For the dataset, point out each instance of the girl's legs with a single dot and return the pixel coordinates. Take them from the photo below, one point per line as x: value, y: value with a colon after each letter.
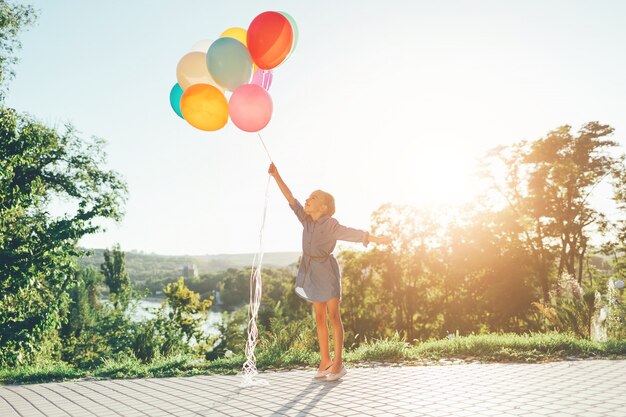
x: 322, y: 334
x: 335, y: 321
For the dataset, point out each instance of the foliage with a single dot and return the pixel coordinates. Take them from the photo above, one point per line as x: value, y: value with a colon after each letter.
x: 546, y: 188
x: 571, y: 308
x: 14, y: 18
x: 409, y: 269
x: 616, y: 312
x: 115, y: 277
x: 38, y: 166
x: 232, y: 334
x: 186, y: 310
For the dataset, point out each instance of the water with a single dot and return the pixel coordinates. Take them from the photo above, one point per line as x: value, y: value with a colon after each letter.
x: 146, y: 310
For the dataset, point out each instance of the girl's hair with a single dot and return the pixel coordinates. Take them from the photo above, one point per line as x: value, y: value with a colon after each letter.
x: 329, y: 200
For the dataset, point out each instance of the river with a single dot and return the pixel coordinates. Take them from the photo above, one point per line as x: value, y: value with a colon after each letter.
x: 147, y: 306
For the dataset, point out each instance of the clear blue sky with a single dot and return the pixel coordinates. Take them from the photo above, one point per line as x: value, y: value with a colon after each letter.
x: 381, y: 102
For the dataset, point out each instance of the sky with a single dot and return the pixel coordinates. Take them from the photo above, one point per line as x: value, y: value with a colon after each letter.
x: 381, y: 102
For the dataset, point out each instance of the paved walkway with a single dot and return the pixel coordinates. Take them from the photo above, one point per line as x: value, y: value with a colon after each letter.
x: 587, y: 388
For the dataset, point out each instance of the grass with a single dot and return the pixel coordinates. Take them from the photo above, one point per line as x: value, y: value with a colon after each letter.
x: 518, y: 348
x: 483, y: 348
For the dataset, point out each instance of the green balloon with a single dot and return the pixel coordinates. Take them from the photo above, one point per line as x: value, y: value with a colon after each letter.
x: 229, y: 63
x: 294, y: 27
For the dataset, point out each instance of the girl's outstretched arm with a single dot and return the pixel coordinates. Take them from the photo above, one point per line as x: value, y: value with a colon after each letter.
x: 281, y: 184
x: 349, y: 234
x: 381, y: 240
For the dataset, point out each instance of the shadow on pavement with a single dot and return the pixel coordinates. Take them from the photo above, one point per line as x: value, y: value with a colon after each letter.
x: 322, y: 388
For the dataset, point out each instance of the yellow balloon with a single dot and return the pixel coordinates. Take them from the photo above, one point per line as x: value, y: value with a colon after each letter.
x: 192, y: 69
x: 236, y: 33
x: 204, y: 107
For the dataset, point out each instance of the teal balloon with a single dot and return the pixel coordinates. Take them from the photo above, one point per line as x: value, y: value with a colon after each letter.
x: 229, y: 63
x: 175, y: 94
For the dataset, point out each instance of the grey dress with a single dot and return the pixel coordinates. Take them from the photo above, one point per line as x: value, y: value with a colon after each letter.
x: 318, y: 275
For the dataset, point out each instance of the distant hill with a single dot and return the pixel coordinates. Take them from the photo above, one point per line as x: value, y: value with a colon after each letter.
x: 143, y: 266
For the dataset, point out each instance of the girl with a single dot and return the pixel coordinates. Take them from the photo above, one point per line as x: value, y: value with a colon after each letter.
x: 318, y: 279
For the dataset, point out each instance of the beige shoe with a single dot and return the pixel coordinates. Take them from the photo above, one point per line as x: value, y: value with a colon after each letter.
x: 322, y: 374
x: 335, y: 377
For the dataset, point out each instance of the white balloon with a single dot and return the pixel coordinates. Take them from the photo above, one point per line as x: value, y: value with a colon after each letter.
x: 192, y: 69
x: 202, y: 46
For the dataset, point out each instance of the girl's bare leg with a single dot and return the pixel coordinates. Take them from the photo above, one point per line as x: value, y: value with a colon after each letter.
x: 322, y: 334
x: 335, y: 321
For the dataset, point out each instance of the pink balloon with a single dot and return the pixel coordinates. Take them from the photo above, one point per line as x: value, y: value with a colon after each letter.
x: 263, y: 78
x: 250, y: 107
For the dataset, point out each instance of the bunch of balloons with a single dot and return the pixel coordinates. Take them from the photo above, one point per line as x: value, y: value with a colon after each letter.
x: 241, y: 62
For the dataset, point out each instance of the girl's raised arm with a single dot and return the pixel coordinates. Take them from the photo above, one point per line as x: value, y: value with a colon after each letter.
x: 281, y: 184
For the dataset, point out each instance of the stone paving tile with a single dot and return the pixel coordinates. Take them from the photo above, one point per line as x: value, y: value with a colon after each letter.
x: 563, y: 389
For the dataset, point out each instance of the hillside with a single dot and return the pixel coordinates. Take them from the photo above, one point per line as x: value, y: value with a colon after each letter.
x: 143, y: 266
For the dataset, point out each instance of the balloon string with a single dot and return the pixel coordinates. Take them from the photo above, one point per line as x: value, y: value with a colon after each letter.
x: 265, y: 147
x: 256, y: 290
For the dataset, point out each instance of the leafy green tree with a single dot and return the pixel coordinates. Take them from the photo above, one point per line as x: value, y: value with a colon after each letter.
x: 84, y: 303
x: 361, y: 299
x: 14, y: 18
x: 234, y: 288
x: 38, y: 167
x: 187, y: 311
x: 115, y: 276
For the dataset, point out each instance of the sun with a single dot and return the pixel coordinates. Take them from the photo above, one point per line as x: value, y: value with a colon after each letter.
x: 436, y: 177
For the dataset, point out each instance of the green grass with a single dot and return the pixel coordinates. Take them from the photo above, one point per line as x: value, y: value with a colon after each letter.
x: 483, y: 348
x: 517, y: 348
x: 45, y: 372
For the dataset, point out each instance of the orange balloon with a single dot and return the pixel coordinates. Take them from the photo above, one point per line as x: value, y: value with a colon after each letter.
x: 204, y: 107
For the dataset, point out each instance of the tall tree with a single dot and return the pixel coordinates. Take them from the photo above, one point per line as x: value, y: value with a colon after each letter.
x: 616, y: 247
x: 546, y: 185
x: 115, y: 276
x: 14, y: 18
x: 38, y: 167
x: 409, y: 269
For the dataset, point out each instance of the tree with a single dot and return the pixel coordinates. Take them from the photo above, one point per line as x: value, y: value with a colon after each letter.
x: 616, y: 247
x: 13, y: 19
x: 546, y: 186
x: 38, y: 167
x: 486, y: 281
x: 360, y: 301
x: 84, y: 302
x: 184, y: 306
x: 409, y: 269
x: 115, y: 276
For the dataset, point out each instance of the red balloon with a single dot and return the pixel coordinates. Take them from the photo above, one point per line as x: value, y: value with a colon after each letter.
x: 270, y: 38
